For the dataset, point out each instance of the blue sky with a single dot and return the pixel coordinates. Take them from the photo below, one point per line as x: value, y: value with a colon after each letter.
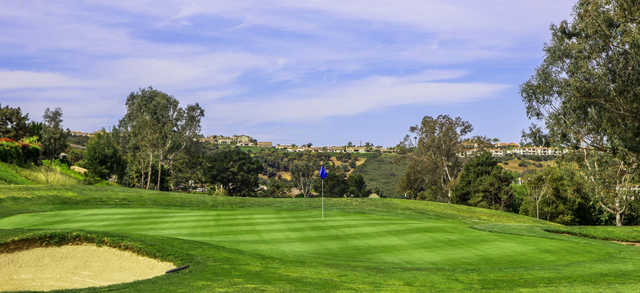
x: 287, y: 71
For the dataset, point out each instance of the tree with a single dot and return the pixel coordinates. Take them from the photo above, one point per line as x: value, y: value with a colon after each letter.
x: 302, y: 172
x: 559, y: 194
x: 586, y: 88
x: 539, y: 188
x: 435, y: 158
x: 156, y: 129
x: 102, y: 156
x: 484, y: 183
x: 611, y: 182
x: 350, y: 144
x: 535, y: 137
x: 54, y: 138
x: 277, y: 188
x: 357, y: 186
x: 236, y: 171
x: 13, y: 124
x: 187, y: 167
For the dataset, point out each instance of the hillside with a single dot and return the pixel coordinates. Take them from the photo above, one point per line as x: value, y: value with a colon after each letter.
x: 522, y: 166
x: 384, y: 172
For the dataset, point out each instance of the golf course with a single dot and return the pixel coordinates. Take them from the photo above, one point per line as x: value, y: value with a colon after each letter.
x: 275, y: 245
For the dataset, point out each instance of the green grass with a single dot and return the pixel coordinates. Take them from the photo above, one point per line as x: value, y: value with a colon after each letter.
x: 626, y: 233
x: 385, y: 172
x: 56, y: 174
x: 9, y: 174
x: 282, y: 245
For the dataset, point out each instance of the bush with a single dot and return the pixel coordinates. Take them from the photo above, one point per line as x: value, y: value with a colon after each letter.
x: 9, y: 152
x: 13, y: 152
x: 30, y: 153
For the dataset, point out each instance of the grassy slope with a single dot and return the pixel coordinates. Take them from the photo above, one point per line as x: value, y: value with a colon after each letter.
x: 10, y: 174
x: 240, y: 244
x: 384, y: 172
x: 58, y: 174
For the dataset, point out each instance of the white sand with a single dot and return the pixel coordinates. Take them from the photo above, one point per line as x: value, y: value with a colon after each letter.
x: 74, y: 266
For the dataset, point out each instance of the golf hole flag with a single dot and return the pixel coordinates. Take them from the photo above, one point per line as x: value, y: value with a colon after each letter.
x: 323, y: 172
x: 323, y: 175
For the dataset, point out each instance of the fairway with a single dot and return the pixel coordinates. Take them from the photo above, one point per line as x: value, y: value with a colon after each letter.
x: 362, y: 245
x: 340, y: 237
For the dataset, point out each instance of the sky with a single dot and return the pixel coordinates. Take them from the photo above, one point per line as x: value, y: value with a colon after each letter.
x: 286, y: 71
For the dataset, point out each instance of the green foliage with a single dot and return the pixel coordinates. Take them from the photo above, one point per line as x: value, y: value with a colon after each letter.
x: 586, y: 92
x: 303, y: 171
x: 559, y: 194
x: 75, y: 156
x: 235, y: 170
x: 357, y: 186
x: 154, y: 131
x: 18, y: 153
x: 276, y: 188
x: 13, y: 124
x: 102, y: 157
x: 535, y: 137
x: 483, y: 183
x: 435, y: 159
x: 384, y: 173
x: 54, y: 138
x: 586, y: 88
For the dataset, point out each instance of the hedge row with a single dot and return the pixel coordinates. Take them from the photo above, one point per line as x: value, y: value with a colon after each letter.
x: 13, y: 152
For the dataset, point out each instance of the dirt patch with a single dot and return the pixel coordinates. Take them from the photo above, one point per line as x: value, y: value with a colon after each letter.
x: 74, y: 266
x: 627, y: 243
x: 614, y: 241
x: 284, y: 175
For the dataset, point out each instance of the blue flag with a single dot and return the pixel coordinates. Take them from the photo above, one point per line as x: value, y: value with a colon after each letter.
x: 323, y: 172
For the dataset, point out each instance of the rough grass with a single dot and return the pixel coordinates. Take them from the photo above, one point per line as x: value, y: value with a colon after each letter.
x: 626, y: 233
x: 282, y: 245
x: 50, y: 174
x: 10, y: 174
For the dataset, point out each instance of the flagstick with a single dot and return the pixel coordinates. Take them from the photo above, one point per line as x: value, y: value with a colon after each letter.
x: 322, y: 184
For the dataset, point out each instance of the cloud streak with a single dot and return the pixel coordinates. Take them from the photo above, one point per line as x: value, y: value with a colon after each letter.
x: 370, y: 94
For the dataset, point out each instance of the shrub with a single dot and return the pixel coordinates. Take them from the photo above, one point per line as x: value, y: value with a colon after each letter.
x: 10, y: 152
x: 13, y: 152
x: 30, y: 153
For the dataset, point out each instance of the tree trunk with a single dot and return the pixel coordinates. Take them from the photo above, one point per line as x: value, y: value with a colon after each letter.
x: 141, y: 183
x: 619, y: 212
x: 159, y: 170
x: 537, y: 209
x: 618, y: 219
x: 149, y: 171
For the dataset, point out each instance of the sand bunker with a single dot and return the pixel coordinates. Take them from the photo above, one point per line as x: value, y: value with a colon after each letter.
x: 74, y: 266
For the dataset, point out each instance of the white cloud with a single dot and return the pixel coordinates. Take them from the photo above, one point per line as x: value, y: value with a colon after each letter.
x: 19, y: 79
x: 357, y: 97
